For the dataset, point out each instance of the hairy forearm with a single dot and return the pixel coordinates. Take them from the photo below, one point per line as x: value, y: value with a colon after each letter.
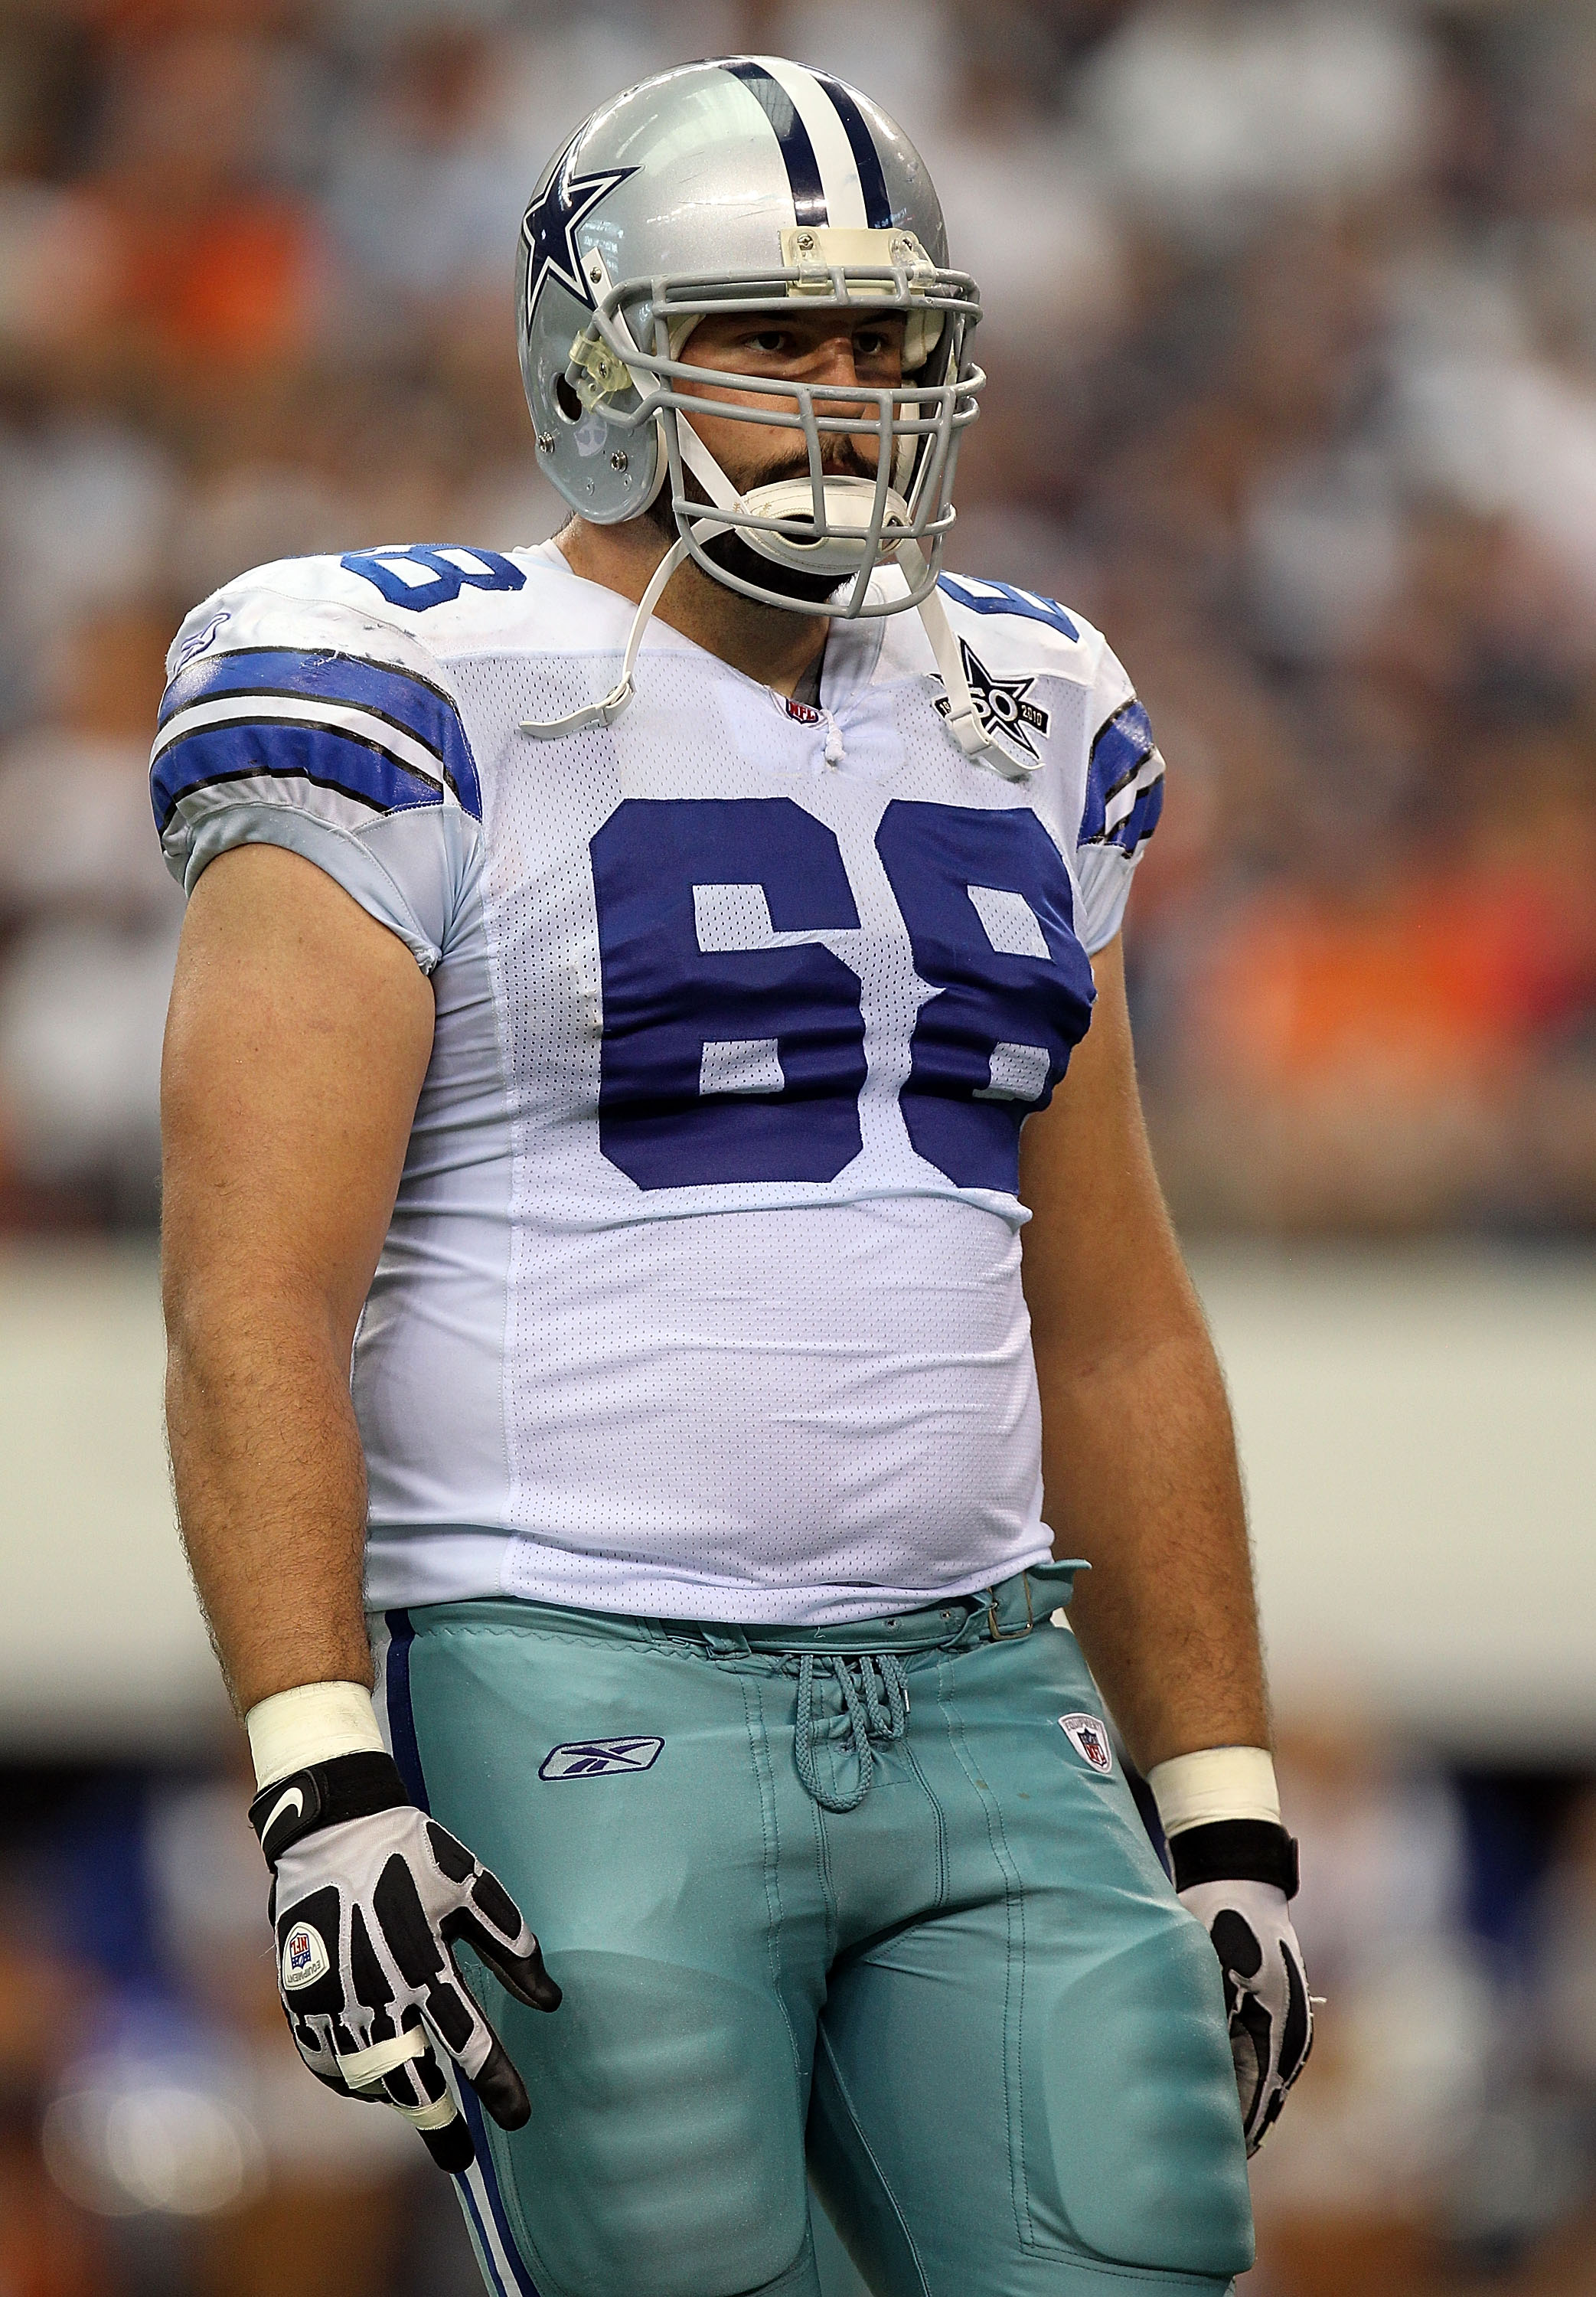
x: 1141, y: 1475
x: 299, y: 1034
x: 1139, y: 1456
x: 271, y: 1487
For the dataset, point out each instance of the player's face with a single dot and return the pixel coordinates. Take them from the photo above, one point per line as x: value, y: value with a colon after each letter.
x: 839, y: 348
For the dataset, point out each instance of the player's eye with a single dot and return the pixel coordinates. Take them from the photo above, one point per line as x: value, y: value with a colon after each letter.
x: 769, y: 341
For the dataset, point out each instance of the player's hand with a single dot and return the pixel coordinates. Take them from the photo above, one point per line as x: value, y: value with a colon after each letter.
x: 368, y: 1896
x: 1237, y: 1876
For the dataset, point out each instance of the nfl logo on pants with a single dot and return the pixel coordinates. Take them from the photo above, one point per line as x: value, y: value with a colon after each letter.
x: 1087, y: 1734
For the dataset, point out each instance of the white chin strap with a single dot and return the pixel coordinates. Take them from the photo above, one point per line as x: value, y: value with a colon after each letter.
x: 605, y: 712
x: 963, y: 719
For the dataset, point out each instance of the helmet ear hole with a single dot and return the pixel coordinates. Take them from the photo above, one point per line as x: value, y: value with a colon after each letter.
x: 567, y: 401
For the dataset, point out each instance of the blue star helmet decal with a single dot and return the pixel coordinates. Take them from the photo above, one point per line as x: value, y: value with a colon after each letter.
x: 1001, y: 704
x: 548, y: 228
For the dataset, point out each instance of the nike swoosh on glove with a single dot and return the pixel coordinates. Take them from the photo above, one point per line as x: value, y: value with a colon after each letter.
x: 1237, y: 1875
x: 368, y: 1896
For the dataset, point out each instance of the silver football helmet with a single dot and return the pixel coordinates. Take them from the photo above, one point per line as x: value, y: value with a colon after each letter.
x: 749, y: 183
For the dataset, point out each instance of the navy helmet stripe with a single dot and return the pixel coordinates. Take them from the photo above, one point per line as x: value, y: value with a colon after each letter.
x: 867, y: 158
x: 798, y: 153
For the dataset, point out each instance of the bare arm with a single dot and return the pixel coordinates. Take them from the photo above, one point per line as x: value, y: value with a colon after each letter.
x: 299, y: 1034
x: 1139, y: 1457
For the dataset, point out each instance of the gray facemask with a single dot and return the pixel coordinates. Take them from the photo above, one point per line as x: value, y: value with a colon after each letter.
x: 743, y: 185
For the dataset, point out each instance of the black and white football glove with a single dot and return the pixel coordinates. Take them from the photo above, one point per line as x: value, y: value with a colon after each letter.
x: 368, y: 1896
x: 1236, y: 1876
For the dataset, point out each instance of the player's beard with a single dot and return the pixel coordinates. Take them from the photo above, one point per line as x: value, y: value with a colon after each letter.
x: 739, y: 557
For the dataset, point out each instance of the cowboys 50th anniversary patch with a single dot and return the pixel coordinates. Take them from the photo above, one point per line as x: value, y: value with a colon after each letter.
x: 598, y: 1759
x: 1001, y: 704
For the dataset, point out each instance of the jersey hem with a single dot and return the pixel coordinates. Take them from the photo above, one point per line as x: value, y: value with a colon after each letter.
x: 797, y: 1196
x: 410, y: 1566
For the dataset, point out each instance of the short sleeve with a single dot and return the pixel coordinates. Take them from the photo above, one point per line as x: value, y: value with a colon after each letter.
x: 302, y: 723
x: 1124, y: 796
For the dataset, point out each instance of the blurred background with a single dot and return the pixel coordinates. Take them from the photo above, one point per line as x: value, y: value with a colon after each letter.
x: 1291, y: 324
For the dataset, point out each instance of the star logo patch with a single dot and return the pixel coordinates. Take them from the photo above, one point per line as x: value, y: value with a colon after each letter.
x: 548, y: 228
x: 1001, y: 704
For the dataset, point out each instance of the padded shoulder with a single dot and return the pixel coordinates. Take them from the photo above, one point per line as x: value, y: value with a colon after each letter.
x: 310, y: 604
x: 1021, y: 630
x: 1101, y: 748
x: 451, y: 598
x: 255, y: 657
x: 296, y: 716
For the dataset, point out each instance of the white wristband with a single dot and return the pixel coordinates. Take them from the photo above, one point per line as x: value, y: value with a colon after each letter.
x: 311, y: 1725
x: 1215, y: 1782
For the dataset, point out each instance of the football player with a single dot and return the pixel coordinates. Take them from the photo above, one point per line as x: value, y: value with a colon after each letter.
x: 633, y: 1006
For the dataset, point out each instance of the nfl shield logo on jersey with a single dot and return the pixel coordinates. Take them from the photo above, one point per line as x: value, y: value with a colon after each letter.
x: 304, y: 1956
x: 1087, y: 1734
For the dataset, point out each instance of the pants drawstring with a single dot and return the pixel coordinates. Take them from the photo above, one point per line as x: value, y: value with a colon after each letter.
x: 875, y: 1695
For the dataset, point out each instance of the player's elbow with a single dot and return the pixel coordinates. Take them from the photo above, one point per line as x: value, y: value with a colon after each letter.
x: 231, y: 1316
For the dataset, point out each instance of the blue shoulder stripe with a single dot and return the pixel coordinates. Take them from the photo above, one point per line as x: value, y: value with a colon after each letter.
x: 286, y: 750
x: 1001, y: 598
x: 1141, y: 820
x: 1120, y: 748
x: 406, y: 700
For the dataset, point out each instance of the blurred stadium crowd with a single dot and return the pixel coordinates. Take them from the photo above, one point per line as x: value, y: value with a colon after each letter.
x: 1291, y: 322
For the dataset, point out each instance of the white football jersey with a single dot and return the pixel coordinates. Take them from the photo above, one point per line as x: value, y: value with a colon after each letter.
x: 702, y: 1293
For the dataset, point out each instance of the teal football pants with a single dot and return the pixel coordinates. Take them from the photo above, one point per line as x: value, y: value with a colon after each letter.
x: 843, y: 1905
